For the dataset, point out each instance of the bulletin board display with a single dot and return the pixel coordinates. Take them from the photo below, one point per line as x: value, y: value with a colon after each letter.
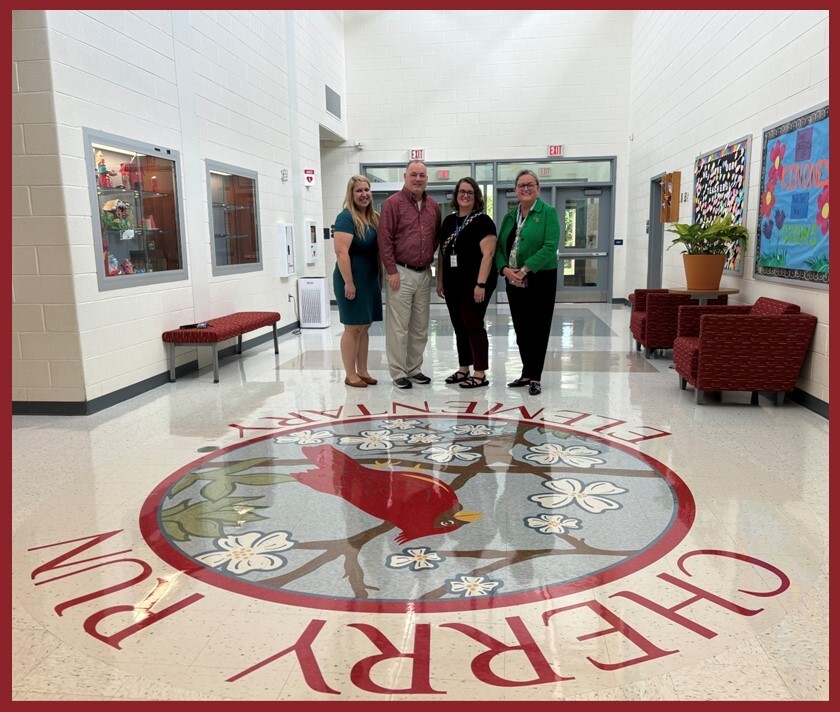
x: 793, y: 224
x: 720, y: 188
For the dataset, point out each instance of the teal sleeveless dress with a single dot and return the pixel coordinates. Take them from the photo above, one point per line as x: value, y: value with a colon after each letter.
x: 364, y: 264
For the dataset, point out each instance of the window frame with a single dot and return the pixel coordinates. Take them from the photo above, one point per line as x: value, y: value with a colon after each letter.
x: 105, y: 282
x: 211, y: 165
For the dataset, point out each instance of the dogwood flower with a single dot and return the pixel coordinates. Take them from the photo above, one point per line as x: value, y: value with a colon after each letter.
x: 445, y: 454
x: 402, y: 424
x: 552, y: 523
x: 424, y: 438
x: 417, y: 559
x: 471, y: 586
x: 471, y: 430
x: 575, y: 456
x: 571, y: 491
x: 253, y: 551
x: 373, y: 439
x: 304, y: 437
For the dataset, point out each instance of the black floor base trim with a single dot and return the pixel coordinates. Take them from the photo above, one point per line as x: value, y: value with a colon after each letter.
x: 810, y: 402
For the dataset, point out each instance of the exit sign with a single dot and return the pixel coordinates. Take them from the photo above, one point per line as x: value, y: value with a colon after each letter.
x: 545, y: 172
x: 555, y: 150
x: 417, y: 154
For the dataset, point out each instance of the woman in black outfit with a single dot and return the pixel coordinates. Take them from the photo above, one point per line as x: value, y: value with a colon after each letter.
x: 466, y: 279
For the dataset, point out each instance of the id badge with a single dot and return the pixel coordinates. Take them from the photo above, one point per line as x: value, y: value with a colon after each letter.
x: 453, y: 260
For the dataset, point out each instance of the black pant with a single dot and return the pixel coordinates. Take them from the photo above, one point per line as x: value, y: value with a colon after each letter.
x: 531, y: 309
x: 468, y: 321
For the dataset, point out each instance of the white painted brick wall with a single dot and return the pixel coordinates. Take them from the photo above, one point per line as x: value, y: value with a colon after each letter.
x: 118, y: 72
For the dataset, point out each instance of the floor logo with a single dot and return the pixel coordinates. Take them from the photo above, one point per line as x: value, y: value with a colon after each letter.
x: 435, y: 513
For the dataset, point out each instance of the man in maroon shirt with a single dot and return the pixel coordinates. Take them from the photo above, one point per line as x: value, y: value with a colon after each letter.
x: 407, y: 236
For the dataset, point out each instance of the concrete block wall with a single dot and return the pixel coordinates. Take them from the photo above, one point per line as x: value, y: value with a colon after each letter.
x: 46, y: 347
x: 209, y: 84
x: 702, y: 79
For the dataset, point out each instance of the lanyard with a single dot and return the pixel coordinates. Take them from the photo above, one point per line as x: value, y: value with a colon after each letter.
x: 450, y: 241
x: 460, y: 226
x: 520, y: 220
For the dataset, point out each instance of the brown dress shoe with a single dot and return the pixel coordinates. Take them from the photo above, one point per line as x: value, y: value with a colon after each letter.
x: 355, y: 384
x: 369, y: 380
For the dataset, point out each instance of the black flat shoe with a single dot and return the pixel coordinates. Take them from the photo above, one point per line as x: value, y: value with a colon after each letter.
x: 475, y: 382
x: 519, y: 382
x: 457, y: 377
x: 535, y: 388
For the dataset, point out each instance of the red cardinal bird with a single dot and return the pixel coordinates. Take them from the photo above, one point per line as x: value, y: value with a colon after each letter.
x: 419, y: 504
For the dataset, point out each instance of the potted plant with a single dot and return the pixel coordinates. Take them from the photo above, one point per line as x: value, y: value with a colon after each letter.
x: 705, y: 250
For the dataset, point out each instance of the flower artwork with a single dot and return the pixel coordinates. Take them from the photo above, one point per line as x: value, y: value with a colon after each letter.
x: 793, y: 215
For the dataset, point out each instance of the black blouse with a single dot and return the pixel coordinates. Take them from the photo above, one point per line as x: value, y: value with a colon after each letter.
x: 467, y: 247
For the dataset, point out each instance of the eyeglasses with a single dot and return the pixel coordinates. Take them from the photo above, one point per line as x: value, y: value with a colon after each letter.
x: 466, y: 192
x: 526, y: 186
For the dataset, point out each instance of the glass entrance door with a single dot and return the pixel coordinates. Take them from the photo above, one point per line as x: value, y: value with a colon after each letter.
x: 584, y: 249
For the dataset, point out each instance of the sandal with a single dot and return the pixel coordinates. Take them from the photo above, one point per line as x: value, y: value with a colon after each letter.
x: 519, y: 382
x: 475, y: 382
x: 457, y: 377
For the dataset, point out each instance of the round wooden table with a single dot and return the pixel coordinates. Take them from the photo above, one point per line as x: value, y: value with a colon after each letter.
x: 703, y: 295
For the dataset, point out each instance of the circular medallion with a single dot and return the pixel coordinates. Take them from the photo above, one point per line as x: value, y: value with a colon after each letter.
x: 423, y: 513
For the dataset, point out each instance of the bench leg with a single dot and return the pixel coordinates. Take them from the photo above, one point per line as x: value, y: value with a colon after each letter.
x: 274, y: 327
x: 239, y: 344
x: 215, y: 363
x: 171, y: 353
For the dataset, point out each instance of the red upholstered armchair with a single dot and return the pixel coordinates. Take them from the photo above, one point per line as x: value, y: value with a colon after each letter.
x: 653, y: 321
x: 758, y: 348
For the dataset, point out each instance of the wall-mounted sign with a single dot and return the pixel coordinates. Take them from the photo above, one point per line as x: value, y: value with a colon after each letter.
x: 443, y: 175
x: 309, y: 177
x: 417, y: 154
x: 545, y: 172
x: 555, y: 150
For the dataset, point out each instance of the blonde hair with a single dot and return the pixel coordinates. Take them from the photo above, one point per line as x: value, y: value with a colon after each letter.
x: 360, y: 220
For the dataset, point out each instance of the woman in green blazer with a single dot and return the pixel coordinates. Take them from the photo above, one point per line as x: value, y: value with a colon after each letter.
x: 526, y: 256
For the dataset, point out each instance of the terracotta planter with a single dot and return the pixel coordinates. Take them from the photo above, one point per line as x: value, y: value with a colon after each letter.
x: 703, y: 271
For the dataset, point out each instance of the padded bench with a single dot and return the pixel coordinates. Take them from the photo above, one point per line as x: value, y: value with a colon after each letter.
x: 220, y: 329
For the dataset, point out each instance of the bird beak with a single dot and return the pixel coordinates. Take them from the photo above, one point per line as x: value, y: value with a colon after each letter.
x: 466, y: 516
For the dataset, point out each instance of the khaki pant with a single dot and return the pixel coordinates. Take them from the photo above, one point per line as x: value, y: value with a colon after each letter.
x: 407, y: 321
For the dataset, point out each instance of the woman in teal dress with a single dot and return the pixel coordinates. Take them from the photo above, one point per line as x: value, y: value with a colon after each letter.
x: 356, y: 279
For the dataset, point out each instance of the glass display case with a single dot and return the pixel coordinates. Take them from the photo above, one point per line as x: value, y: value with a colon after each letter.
x: 235, y: 239
x: 136, y: 211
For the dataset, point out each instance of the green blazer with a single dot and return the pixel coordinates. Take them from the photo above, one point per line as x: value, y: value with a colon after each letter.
x: 537, y: 241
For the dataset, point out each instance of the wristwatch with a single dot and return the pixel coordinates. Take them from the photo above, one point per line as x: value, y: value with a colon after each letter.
x: 481, y: 284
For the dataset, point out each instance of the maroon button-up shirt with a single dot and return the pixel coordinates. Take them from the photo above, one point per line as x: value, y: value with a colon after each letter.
x: 406, y: 234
